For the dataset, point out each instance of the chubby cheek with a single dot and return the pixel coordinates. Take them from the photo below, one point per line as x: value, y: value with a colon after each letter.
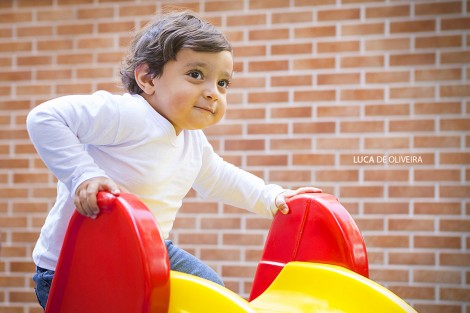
x: 222, y: 108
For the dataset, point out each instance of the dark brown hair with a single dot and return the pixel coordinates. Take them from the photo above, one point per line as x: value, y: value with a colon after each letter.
x: 163, y: 38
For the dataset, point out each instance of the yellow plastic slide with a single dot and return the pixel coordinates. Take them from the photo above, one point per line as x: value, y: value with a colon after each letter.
x: 300, y: 288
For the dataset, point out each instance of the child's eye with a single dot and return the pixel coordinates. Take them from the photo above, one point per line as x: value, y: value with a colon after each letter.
x: 224, y: 83
x: 195, y: 74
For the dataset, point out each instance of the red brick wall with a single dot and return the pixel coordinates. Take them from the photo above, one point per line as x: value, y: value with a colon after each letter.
x: 319, y: 86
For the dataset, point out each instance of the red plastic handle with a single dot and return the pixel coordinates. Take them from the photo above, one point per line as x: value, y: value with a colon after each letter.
x: 105, y: 201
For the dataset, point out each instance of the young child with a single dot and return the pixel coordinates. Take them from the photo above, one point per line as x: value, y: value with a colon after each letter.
x: 148, y: 142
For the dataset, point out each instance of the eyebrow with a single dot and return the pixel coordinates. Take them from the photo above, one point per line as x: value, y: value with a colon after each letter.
x: 204, y: 65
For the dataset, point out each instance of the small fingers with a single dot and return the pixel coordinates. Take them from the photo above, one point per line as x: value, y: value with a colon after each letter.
x: 85, y: 195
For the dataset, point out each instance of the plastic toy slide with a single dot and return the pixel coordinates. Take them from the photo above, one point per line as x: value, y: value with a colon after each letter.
x: 118, y: 263
x: 300, y: 288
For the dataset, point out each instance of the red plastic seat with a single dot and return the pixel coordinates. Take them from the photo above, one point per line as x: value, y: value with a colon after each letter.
x: 116, y: 263
x: 317, y: 229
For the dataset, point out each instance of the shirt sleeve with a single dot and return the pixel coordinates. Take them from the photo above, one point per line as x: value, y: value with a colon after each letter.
x: 222, y: 181
x: 61, y: 128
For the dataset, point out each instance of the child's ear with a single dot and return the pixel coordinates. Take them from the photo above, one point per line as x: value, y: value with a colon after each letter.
x: 144, y: 79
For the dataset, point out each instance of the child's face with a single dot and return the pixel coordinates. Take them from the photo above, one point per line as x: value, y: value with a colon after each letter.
x: 191, y: 93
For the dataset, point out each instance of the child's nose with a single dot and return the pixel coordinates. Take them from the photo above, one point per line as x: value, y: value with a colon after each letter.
x: 211, y: 93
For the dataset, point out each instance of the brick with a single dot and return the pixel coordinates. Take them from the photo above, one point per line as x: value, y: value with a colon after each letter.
x: 338, y: 14
x: 455, y: 57
x: 406, y: 292
x: 15, y: 46
x: 413, y: 26
x: 362, y: 94
x: 15, y: 76
x: 430, y: 241
x: 390, y: 275
x: 35, y: 31
x: 291, y: 112
x: 315, y: 95
x: 412, y: 258
x: 291, y: 80
x: 438, y: 42
x: 336, y: 175
x: 455, y: 91
x: 361, y: 62
x: 268, y: 128
x: 457, y: 124
x: 244, y: 145
x: 388, y: 11
x: 289, y: 175
x: 15, y: 17
x: 269, y: 34
x: 363, y: 29
x: 291, y: 143
x: 95, y: 13
x: 387, y: 110
x: 290, y: 49
x: 238, y: 271
x: 251, y: 50
x: 387, y: 77
x: 454, y: 191
x: 337, y: 47
x: 220, y: 223
x: 411, y: 191
x: 454, y: 225
x: 262, y: 66
x: 74, y: 58
x: 455, y: 294
x: 242, y: 20
x: 260, y: 4
x: 224, y: 130
x: 337, y: 143
x: 437, y: 308
x: 411, y: 224
x: 220, y: 254
x: 338, y: 111
x: 361, y: 191
x: 74, y: 88
x: 412, y: 92
x: 455, y: 23
x: 243, y: 239
x: 440, y: 8
x: 388, y: 241
x: 268, y: 97
x: 412, y: 59
x: 454, y: 158
x: 454, y: 259
x: 438, y: 75
x: 314, y: 128
x: 434, y: 276
x: 411, y: 125
x: 386, y: 175
x: 314, y: 63
x: 199, y: 207
x: 437, y: 107
x: 361, y: 127
x: 294, y: 17
x: 388, y: 44
x: 338, y: 79
x: 315, y: 32
x: 267, y: 160
x: 95, y: 43
x: 436, y: 141
x: 370, y: 224
x: 313, y: 159
x: 246, y: 114
x: 197, y: 238
x: 74, y: 29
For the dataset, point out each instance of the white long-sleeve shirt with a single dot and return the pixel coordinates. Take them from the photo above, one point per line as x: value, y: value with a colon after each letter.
x: 122, y: 137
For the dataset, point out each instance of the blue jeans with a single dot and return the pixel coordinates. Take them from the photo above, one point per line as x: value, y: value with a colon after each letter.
x: 180, y: 261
